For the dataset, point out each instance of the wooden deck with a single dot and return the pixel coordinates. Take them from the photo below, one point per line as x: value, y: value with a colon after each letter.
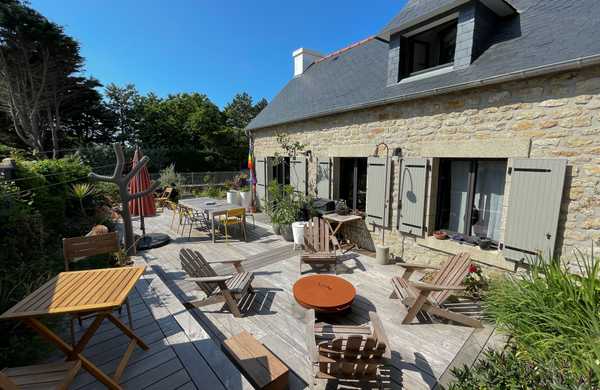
x: 422, y: 353
x: 185, y: 345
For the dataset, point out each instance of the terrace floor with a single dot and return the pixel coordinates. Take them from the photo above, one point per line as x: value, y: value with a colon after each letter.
x: 185, y: 344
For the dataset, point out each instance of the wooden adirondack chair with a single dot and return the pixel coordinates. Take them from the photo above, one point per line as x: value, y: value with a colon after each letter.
x: 428, y: 298
x: 227, y: 288
x: 318, y: 248
x: 347, y: 352
x: 57, y: 375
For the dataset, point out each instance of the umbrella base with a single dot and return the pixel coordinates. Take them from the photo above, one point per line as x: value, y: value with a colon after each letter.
x: 153, y: 240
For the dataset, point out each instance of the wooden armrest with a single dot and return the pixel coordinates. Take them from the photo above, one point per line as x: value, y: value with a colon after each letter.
x: 432, y: 287
x: 227, y: 261
x: 417, y: 266
x: 211, y: 279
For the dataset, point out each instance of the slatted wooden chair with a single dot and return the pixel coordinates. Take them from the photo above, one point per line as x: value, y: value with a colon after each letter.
x: 318, y: 246
x: 57, y: 375
x: 78, y: 248
x: 234, y: 217
x: 218, y: 288
x: 355, y: 353
x: 426, y: 299
x: 161, y: 200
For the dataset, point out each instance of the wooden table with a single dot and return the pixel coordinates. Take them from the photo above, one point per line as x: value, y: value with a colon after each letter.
x: 339, y: 220
x: 212, y: 207
x: 97, y: 292
x: 324, y: 293
x: 263, y: 369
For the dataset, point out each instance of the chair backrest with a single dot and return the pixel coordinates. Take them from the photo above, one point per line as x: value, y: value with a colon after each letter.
x: 236, y: 213
x: 195, y: 265
x: 171, y: 205
x: 78, y: 248
x: 167, y: 193
x: 360, y: 355
x: 452, y: 273
x: 316, y: 236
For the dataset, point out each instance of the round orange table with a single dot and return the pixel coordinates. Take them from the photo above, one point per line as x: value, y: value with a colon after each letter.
x: 324, y: 293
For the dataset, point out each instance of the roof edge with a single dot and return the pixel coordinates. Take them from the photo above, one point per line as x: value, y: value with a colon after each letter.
x: 562, y: 66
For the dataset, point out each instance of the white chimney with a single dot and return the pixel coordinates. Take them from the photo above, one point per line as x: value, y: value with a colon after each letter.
x: 303, y: 58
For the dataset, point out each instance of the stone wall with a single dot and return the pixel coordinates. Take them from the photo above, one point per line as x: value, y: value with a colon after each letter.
x: 556, y: 116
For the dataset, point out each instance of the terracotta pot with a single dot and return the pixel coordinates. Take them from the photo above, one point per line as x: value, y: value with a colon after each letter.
x: 440, y: 235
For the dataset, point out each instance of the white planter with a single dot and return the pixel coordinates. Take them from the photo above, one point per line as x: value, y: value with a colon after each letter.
x: 233, y: 197
x: 298, y: 232
x: 382, y: 254
x: 245, y: 199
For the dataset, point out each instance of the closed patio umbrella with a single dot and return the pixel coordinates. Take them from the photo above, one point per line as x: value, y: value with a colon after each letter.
x: 144, y: 206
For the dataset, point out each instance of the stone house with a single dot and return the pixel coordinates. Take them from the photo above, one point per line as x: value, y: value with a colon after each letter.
x: 490, y: 112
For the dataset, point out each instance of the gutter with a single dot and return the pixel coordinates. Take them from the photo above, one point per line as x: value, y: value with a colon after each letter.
x: 574, y: 64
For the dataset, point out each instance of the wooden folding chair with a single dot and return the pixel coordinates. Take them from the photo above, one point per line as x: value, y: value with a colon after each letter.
x: 355, y: 353
x: 318, y: 247
x: 57, y: 375
x: 161, y: 201
x: 78, y: 248
x: 426, y: 299
x: 226, y: 288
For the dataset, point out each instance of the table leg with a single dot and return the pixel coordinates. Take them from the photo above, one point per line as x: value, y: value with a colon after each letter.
x: 68, y: 350
x: 212, y: 222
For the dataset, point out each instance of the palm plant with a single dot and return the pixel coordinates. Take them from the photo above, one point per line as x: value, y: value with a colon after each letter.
x: 80, y: 191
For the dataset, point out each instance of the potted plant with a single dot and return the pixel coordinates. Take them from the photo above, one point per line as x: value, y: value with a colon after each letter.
x: 284, y: 209
x: 241, y: 183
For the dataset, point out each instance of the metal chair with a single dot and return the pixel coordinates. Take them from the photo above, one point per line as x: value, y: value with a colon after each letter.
x: 235, y: 217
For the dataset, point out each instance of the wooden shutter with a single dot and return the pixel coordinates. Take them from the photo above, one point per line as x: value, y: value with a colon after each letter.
x: 536, y: 189
x: 324, y: 178
x: 261, y: 181
x: 378, y: 199
x: 298, y: 174
x: 413, y: 192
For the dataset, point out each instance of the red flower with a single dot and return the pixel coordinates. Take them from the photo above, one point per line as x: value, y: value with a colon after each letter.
x: 472, y: 268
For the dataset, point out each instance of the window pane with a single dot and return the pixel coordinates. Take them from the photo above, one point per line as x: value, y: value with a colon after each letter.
x: 361, y: 185
x: 459, y: 188
x: 487, y: 204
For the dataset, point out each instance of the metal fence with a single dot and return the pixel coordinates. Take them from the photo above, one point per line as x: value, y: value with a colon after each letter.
x: 205, y: 179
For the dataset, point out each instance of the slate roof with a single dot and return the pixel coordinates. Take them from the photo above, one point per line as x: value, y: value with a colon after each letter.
x: 546, y: 32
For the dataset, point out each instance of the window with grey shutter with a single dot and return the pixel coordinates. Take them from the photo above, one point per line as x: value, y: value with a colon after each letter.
x: 324, y: 178
x: 413, y: 192
x: 536, y: 188
x: 298, y: 174
x: 378, y: 210
x: 261, y: 181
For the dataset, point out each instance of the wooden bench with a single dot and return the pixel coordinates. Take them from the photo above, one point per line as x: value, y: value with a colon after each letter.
x: 263, y: 369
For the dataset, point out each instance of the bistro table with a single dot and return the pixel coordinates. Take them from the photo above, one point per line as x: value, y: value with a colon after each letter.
x: 324, y: 293
x: 340, y: 220
x: 212, y: 207
x: 97, y: 292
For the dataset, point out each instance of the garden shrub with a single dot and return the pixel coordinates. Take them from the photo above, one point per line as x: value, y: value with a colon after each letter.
x: 36, y: 211
x: 553, y: 319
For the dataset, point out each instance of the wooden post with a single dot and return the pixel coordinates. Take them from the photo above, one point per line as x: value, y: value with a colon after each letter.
x: 122, y: 181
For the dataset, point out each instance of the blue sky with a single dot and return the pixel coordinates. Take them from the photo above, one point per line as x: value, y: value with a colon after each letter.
x: 215, y: 47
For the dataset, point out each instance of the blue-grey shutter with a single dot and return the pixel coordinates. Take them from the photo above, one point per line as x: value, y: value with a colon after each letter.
x: 413, y: 192
x: 378, y: 210
x: 261, y: 181
x: 536, y: 188
x: 298, y: 174
x: 324, y: 177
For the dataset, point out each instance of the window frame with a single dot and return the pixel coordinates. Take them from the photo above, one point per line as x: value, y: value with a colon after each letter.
x: 412, y: 38
x: 341, y: 161
x: 471, y: 188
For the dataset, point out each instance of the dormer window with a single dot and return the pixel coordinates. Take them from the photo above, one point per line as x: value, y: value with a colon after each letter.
x: 432, y: 48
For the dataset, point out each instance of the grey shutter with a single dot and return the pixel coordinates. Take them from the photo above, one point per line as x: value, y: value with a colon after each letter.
x: 536, y: 189
x: 298, y: 174
x: 378, y: 209
x: 261, y: 181
x: 324, y: 178
x: 413, y: 192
